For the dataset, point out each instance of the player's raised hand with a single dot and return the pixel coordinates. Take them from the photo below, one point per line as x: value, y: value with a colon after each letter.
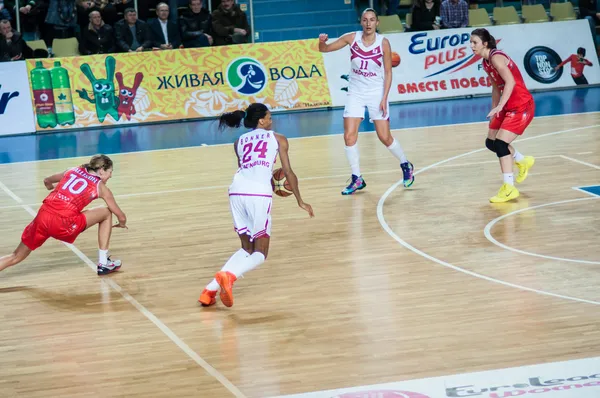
x: 308, y: 208
x: 323, y: 37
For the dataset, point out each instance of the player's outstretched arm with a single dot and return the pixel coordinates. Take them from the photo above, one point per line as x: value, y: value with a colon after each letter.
x: 290, y: 176
x: 106, y: 194
x: 53, y: 179
x: 340, y: 43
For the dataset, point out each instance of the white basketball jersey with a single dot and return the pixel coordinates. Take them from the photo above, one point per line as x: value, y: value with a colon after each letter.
x: 367, y: 70
x: 257, y: 151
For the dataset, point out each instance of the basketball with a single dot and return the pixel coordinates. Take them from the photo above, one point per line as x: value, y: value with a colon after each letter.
x: 395, y: 59
x: 280, y: 185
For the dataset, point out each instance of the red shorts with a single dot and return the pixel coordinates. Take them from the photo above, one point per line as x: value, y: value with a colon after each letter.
x: 51, y: 225
x: 515, y: 120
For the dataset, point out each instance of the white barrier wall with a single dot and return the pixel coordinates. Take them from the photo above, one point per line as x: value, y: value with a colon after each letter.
x: 440, y: 63
x: 16, y: 112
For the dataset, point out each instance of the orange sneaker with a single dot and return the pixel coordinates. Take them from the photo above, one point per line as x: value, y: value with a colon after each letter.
x: 208, y: 297
x: 225, y: 279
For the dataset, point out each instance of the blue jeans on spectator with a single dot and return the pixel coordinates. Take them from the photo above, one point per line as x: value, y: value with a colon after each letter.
x: 392, y: 7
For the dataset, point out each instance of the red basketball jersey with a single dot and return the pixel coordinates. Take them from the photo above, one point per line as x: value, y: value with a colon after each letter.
x: 520, y: 95
x: 74, y: 192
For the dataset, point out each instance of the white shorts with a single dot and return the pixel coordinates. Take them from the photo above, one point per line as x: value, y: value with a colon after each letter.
x: 356, y: 104
x: 251, y: 214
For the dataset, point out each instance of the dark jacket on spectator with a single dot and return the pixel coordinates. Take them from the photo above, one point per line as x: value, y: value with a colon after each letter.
x: 125, y: 39
x: 423, y: 18
x: 223, y: 24
x: 101, y: 41
x: 194, y: 26
x: 157, y: 34
x: 14, y: 47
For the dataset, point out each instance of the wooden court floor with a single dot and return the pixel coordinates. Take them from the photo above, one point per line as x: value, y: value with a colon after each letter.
x: 386, y: 285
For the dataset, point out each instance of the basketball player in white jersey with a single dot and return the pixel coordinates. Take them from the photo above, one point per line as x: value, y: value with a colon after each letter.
x: 370, y: 82
x: 250, y: 196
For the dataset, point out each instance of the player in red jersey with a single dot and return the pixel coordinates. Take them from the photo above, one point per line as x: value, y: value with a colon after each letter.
x: 512, y: 111
x: 578, y: 62
x: 62, y: 216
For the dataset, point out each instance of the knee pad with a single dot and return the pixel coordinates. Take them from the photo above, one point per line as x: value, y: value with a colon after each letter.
x: 501, y: 148
x: 489, y: 144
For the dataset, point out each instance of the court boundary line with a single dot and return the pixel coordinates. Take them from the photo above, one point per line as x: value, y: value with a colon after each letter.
x: 204, y: 145
x: 443, y: 263
x: 143, y: 310
x: 487, y: 231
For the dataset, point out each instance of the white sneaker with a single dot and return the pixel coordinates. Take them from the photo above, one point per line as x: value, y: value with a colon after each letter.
x: 110, y: 267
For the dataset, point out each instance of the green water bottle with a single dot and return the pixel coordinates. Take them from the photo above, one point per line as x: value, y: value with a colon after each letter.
x: 43, y: 98
x: 62, y: 95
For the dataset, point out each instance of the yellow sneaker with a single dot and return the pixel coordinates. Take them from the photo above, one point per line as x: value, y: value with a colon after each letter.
x: 507, y: 192
x: 524, y: 166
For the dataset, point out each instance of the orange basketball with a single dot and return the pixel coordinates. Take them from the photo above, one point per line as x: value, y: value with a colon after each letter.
x: 280, y: 185
x: 395, y: 59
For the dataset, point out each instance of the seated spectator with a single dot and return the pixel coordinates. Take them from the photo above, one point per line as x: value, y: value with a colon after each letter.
x: 424, y: 13
x: 165, y: 34
x: 32, y: 19
x: 97, y: 37
x: 12, y: 45
x: 454, y: 13
x: 195, y: 25
x: 132, y: 34
x: 229, y: 24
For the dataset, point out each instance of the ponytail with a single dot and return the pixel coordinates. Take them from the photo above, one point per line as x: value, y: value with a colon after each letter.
x: 485, y: 37
x: 98, y: 162
x: 251, y: 116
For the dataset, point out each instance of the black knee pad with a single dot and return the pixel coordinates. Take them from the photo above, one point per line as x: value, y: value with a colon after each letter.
x: 489, y: 144
x: 501, y: 148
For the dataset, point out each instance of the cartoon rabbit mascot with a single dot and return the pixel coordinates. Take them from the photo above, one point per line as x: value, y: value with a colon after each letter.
x: 104, y: 91
x: 127, y: 94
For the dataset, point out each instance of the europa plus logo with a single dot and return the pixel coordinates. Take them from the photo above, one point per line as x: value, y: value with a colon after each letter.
x: 246, y: 76
x: 5, y: 98
x: 540, y: 63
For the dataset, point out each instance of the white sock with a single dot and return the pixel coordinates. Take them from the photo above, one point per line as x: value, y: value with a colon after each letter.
x: 249, y: 263
x: 102, y: 256
x: 518, y: 156
x: 353, y: 159
x: 238, y: 256
x: 397, y: 151
x: 508, y: 178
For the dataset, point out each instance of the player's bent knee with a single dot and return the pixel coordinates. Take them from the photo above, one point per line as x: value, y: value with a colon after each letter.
x: 501, y: 148
x: 489, y: 144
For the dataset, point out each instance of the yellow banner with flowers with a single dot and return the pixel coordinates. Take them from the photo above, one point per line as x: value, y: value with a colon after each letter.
x: 156, y: 86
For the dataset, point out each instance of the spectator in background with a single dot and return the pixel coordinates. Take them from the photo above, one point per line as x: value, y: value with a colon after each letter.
x: 424, y: 13
x: 195, y: 26
x: 588, y: 9
x: 32, y: 16
x: 454, y: 13
x: 132, y: 34
x: 230, y: 25
x: 97, y: 37
x: 62, y: 20
x: 165, y: 33
x: 4, y: 11
x: 12, y: 45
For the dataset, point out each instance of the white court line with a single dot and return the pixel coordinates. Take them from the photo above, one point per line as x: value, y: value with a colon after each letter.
x: 292, y: 138
x: 581, y: 162
x: 407, y: 245
x: 211, y: 187
x: 157, y: 322
x: 487, y: 231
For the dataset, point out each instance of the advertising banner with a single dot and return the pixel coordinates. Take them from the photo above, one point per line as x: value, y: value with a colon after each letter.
x: 182, y: 84
x: 16, y: 115
x: 440, y: 63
